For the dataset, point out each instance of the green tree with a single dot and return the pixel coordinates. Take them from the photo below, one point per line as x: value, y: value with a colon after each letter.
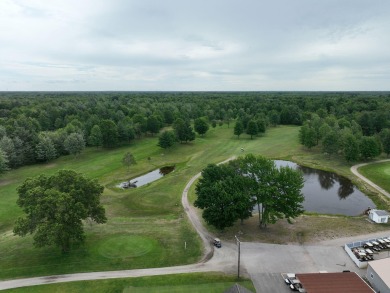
x: 238, y: 128
x: 222, y: 195
x: 55, y: 206
x: 95, y: 138
x: 109, y: 133
x: 167, y: 139
x: 183, y: 130
x: 330, y: 143
x: 351, y: 148
x: 277, y: 191
x: 307, y: 136
x: 45, y: 150
x: 252, y: 128
x: 3, y: 162
x: 274, y: 118
x: 8, y: 147
x: 201, y: 126
x: 369, y: 147
x: 74, y: 143
x: 128, y: 160
x: 261, y: 126
x: 126, y: 130
x: 385, y: 139
x: 153, y: 124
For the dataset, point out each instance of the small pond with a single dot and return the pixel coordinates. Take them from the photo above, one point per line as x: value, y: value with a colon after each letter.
x: 147, y: 178
x: 329, y: 193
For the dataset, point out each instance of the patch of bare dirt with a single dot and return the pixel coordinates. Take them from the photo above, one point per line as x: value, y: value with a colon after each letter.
x: 304, y: 230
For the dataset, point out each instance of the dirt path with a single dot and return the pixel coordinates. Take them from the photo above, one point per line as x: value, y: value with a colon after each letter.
x: 355, y: 171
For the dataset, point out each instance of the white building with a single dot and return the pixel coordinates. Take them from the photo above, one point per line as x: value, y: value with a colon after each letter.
x: 378, y: 274
x: 378, y: 216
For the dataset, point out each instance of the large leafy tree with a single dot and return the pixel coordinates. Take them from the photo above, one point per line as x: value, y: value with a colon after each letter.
x: 351, y: 148
x: 167, y: 139
x: 252, y: 128
x: 201, y: 126
x: 385, y: 139
x: 183, y: 130
x: 222, y: 195
x: 307, y: 136
x: 369, y: 147
x: 3, y: 161
x: 74, y: 143
x: 96, y: 137
x: 109, y: 133
x: 153, y: 124
x: 238, y: 128
x: 277, y: 190
x: 45, y: 149
x: 55, y: 207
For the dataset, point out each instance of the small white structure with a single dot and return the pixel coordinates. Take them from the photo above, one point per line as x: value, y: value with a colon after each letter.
x: 378, y: 216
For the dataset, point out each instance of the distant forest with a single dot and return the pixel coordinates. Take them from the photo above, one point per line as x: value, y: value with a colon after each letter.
x: 41, y: 126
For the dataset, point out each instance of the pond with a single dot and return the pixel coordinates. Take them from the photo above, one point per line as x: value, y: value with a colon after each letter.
x: 147, y: 178
x: 329, y: 193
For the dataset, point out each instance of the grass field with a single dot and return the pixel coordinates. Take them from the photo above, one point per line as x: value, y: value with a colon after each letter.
x: 146, y: 226
x: 378, y: 173
x: 191, y: 283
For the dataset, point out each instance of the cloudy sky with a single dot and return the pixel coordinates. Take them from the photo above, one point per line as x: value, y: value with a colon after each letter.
x: 194, y: 45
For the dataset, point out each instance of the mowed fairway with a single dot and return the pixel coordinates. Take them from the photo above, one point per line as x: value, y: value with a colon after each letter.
x: 146, y: 226
x: 379, y: 173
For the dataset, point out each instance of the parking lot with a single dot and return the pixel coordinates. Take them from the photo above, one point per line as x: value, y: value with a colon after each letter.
x: 265, y: 263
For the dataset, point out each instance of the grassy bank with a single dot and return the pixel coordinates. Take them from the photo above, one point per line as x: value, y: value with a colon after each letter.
x: 378, y: 173
x: 192, y: 283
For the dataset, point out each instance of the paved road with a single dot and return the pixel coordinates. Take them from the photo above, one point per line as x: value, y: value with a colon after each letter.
x: 262, y: 262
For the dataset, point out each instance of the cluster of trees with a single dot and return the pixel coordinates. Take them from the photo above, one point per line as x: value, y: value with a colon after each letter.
x: 37, y: 127
x: 354, y: 138
x: 229, y: 192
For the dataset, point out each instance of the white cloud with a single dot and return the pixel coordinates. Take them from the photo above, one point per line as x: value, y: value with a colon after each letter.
x: 194, y: 45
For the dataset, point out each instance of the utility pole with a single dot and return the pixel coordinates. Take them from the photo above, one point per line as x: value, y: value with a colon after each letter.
x: 239, y: 256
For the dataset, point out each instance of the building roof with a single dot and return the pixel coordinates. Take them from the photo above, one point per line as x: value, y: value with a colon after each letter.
x: 380, y: 213
x: 333, y: 283
x: 381, y: 268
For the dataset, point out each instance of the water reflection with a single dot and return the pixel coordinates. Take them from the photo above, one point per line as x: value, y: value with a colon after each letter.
x: 147, y: 178
x: 329, y: 193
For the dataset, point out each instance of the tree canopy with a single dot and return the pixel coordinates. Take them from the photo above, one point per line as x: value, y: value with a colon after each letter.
x: 222, y: 196
x: 55, y: 207
x: 229, y: 192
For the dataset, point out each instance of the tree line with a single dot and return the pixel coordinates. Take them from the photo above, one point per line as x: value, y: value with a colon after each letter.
x: 41, y: 126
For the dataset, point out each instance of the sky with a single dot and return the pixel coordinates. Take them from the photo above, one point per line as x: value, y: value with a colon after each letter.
x: 182, y: 45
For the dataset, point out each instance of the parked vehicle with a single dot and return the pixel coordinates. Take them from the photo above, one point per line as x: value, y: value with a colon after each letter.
x: 217, y: 243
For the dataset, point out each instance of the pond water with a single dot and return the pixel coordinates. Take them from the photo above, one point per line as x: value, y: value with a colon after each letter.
x: 329, y: 193
x: 147, y: 178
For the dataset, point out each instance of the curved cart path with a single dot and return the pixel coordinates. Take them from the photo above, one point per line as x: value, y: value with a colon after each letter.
x: 221, y: 260
x: 354, y: 170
